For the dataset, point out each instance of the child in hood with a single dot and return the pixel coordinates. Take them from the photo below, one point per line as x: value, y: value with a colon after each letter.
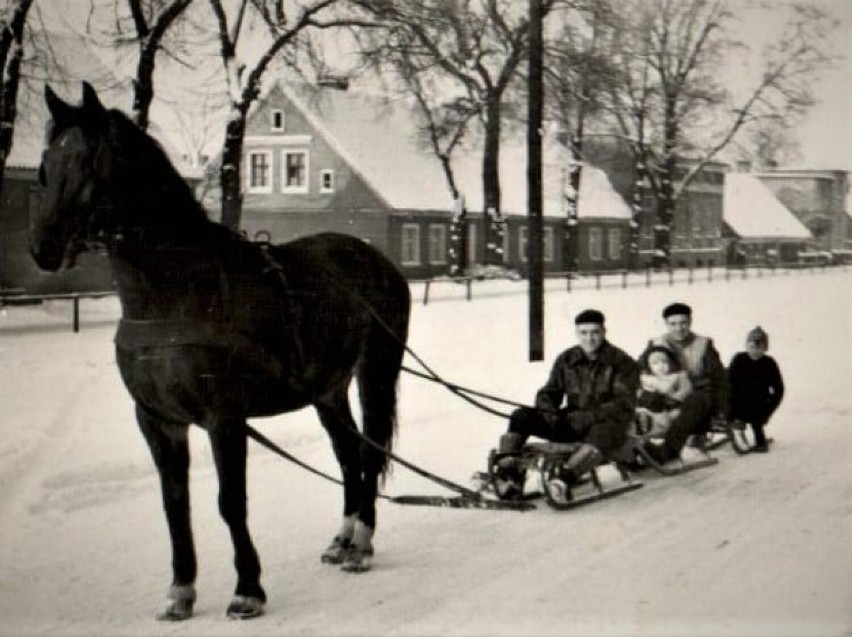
x: 662, y: 388
x: 756, y: 385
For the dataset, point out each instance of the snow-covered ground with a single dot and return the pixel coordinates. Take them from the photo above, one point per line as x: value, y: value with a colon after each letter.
x: 758, y: 545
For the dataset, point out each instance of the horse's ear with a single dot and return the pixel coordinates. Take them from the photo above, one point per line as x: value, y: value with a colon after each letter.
x: 91, y: 103
x: 61, y: 112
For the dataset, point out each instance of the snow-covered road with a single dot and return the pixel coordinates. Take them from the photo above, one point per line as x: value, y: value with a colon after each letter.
x: 758, y: 545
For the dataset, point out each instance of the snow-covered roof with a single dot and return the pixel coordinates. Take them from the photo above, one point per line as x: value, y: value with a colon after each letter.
x: 378, y: 137
x: 753, y: 212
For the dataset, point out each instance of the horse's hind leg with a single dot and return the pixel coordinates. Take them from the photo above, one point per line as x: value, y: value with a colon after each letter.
x: 170, y: 450
x: 228, y: 442
x: 336, y: 418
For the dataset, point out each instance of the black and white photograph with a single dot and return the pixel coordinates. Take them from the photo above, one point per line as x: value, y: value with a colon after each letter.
x: 426, y: 318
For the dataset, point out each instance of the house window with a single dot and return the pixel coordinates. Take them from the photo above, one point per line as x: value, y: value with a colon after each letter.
x: 259, y: 177
x: 295, y: 167
x: 437, y: 243
x: 614, y: 237
x: 410, y: 246
x: 547, y: 244
x: 595, y: 244
x: 471, y: 243
x: 277, y: 123
x: 327, y: 180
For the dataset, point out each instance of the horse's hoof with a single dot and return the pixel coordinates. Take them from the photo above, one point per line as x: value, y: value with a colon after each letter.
x: 357, y: 560
x: 336, y: 551
x: 243, y: 607
x: 179, y: 604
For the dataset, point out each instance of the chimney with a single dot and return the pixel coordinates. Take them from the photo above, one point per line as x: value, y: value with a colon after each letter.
x: 743, y: 166
x: 329, y: 80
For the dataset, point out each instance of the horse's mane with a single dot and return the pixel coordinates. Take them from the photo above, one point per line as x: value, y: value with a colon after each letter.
x: 131, y: 143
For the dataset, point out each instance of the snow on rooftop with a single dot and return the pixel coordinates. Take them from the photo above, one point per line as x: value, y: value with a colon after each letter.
x: 378, y: 137
x: 752, y: 211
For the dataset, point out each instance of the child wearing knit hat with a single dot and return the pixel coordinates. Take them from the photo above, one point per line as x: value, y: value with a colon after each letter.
x: 756, y: 386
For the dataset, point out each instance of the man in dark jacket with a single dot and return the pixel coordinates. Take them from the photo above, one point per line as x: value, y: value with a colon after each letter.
x: 597, y: 383
x: 700, y: 360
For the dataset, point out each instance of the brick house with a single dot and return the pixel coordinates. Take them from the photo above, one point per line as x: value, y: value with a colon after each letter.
x: 335, y: 159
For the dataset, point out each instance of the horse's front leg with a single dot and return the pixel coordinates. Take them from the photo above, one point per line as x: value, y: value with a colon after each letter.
x: 170, y: 449
x: 228, y: 441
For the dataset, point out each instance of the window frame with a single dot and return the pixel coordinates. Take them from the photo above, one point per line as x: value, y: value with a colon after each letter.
x: 437, y: 250
x: 306, y: 171
x: 265, y: 189
x: 403, y: 255
x: 595, y: 244
x: 322, y: 187
x: 272, y: 126
x: 614, y: 255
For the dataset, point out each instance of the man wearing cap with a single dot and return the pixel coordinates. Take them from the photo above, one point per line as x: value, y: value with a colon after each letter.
x: 597, y: 382
x: 699, y: 358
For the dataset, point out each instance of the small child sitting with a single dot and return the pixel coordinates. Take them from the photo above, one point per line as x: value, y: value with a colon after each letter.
x: 663, y: 386
x: 756, y: 386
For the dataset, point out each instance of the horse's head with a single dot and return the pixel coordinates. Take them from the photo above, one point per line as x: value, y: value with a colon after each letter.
x: 70, y: 172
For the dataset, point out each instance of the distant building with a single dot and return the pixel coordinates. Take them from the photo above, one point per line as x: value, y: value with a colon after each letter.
x: 819, y: 199
x: 335, y: 159
x: 759, y: 229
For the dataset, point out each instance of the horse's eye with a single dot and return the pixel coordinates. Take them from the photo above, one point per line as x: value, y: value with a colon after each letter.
x: 42, y: 177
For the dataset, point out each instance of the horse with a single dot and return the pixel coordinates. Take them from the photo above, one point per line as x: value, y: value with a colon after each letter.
x: 216, y: 329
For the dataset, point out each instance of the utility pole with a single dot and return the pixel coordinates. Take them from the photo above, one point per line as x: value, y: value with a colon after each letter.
x: 534, y: 186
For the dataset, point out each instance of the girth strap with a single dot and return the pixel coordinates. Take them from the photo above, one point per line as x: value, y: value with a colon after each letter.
x: 135, y: 334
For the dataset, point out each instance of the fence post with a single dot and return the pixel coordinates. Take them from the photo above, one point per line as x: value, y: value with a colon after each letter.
x: 623, y: 279
x: 689, y: 274
x: 76, y: 314
x: 469, y: 288
x: 745, y: 272
x: 568, y: 280
x: 648, y: 277
x: 426, y: 291
x: 597, y: 280
x: 710, y: 273
x: 671, y: 276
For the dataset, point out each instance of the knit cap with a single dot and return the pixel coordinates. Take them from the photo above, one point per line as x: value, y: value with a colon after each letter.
x: 758, y: 335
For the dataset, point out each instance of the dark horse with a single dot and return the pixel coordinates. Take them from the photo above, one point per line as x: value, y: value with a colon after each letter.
x: 216, y: 329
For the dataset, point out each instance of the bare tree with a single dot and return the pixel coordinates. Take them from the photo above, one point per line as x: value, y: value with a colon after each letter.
x: 287, y: 30
x: 468, y: 48
x: 682, y: 45
x: 149, y: 28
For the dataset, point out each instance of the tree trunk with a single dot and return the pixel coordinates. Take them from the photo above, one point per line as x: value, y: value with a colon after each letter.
x: 230, y: 175
x: 143, y: 86
x: 493, y: 220
x: 572, y: 199
x: 665, y: 201
x: 640, y: 172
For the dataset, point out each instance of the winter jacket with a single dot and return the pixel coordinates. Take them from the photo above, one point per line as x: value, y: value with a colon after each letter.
x: 603, y: 389
x: 661, y: 393
x: 756, y: 388
x: 700, y: 360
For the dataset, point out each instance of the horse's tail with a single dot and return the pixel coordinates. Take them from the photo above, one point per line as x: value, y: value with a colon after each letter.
x: 378, y: 374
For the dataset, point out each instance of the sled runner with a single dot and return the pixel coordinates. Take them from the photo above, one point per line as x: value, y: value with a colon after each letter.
x: 634, y: 454
x: 557, y: 464
x: 738, y: 433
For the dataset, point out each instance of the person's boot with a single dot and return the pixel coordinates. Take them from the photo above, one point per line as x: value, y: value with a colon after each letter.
x: 583, y: 460
x: 760, y: 444
x: 510, y: 474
